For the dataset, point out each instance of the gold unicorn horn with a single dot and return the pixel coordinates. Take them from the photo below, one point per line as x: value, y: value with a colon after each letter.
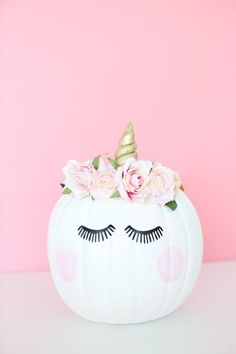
x: 127, y: 146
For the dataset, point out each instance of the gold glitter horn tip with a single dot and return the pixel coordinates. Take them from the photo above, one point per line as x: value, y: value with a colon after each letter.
x: 127, y: 146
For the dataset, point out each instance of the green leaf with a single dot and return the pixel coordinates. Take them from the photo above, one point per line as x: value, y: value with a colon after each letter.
x: 172, y: 204
x: 62, y: 185
x: 116, y: 194
x: 66, y: 191
x: 95, y: 162
x: 112, y: 162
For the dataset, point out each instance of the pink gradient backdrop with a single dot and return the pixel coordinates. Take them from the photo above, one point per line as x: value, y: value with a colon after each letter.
x: 73, y: 73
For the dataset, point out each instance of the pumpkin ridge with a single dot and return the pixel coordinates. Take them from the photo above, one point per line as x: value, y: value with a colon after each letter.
x: 186, y: 262
x: 162, y: 307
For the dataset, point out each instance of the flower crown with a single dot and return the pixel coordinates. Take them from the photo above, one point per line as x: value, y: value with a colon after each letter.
x: 123, y: 177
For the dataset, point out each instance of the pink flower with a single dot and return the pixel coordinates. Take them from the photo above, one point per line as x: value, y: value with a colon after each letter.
x: 162, y: 184
x: 133, y: 178
x: 79, y: 177
x: 104, y: 184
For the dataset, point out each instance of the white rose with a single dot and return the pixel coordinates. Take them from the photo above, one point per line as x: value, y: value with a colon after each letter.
x: 104, y: 184
x: 79, y: 177
x: 162, y: 184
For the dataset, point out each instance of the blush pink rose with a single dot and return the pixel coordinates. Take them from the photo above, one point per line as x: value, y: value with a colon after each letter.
x: 132, y: 179
x: 79, y: 177
x: 161, y: 184
x: 104, y: 184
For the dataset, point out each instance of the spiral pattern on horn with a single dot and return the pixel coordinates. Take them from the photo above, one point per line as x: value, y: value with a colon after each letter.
x: 127, y: 146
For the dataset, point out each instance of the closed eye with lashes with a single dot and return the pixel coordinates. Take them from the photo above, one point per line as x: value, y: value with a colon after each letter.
x: 144, y: 236
x: 95, y: 235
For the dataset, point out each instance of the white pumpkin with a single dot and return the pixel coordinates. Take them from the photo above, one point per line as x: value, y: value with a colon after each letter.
x: 111, y: 277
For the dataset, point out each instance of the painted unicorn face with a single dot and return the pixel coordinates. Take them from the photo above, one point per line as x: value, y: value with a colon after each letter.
x: 119, y: 262
x: 125, y: 242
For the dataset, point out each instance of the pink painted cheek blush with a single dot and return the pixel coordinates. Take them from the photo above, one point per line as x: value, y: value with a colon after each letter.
x: 66, y: 261
x: 171, y: 264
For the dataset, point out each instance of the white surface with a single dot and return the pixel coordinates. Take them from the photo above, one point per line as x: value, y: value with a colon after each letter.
x: 33, y: 319
x: 119, y: 280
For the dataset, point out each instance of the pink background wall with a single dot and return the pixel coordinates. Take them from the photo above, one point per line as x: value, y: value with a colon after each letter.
x: 73, y: 73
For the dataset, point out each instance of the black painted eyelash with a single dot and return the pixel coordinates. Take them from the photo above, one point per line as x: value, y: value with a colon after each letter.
x: 95, y: 235
x: 144, y: 236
